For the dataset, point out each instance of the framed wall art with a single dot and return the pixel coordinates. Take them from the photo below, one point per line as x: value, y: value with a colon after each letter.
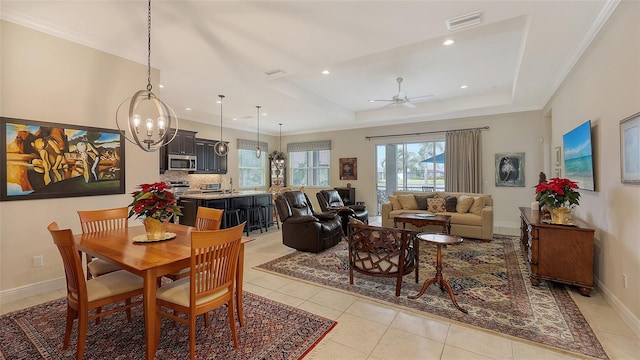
x: 510, y: 169
x: 42, y: 160
x: 348, y: 168
x: 630, y: 149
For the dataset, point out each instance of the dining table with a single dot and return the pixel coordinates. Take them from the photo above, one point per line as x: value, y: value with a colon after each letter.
x: 151, y: 260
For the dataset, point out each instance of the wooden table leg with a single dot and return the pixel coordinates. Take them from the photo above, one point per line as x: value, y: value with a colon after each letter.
x: 150, y: 330
x: 438, y: 279
x: 239, y: 279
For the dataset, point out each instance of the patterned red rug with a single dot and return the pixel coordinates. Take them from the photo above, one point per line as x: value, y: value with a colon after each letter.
x: 491, y: 281
x: 272, y: 331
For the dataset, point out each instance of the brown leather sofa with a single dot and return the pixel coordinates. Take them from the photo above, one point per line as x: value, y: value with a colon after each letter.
x: 302, y: 228
x: 330, y: 200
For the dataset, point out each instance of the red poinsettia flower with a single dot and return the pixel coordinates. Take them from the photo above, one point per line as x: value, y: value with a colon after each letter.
x: 155, y: 201
x: 558, y: 192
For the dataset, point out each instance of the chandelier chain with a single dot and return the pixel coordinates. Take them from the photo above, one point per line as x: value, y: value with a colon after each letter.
x: 149, y: 86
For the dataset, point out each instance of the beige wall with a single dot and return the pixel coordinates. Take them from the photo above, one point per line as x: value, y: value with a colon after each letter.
x: 516, y: 132
x: 604, y: 87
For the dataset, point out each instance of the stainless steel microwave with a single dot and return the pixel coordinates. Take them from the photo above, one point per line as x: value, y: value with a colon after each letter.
x: 182, y: 162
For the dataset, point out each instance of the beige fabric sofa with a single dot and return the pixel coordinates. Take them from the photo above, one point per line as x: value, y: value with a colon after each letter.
x: 477, y: 224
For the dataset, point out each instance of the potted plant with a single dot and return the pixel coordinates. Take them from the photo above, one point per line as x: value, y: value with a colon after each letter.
x: 560, y: 196
x: 156, y: 204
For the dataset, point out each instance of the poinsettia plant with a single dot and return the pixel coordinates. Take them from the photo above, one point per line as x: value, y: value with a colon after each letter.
x: 558, y: 192
x: 154, y: 201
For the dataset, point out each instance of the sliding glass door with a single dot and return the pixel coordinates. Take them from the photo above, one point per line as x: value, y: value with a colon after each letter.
x: 417, y: 166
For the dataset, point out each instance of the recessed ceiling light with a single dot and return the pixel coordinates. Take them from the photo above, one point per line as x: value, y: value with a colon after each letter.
x: 264, y: 114
x: 326, y: 72
x: 372, y: 101
x: 464, y: 86
x: 218, y: 102
x: 188, y: 108
x: 234, y: 119
x: 161, y: 86
x: 448, y: 42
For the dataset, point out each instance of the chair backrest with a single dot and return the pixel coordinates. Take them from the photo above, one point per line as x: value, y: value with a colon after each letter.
x: 380, y: 250
x: 293, y: 204
x: 208, y: 218
x: 214, y: 256
x: 101, y: 220
x: 76, y: 283
x: 329, y: 198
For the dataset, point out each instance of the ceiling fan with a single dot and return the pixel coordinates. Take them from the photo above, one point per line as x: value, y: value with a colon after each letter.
x: 401, y: 98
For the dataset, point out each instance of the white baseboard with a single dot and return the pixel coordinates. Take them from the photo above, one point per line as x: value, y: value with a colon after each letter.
x: 23, y: 292
x: 619, y: 308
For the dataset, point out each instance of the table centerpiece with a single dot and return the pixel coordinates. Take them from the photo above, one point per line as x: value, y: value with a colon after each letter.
x: 157, y: 205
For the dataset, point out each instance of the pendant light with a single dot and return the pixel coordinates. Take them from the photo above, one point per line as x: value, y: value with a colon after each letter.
x: 279, y: 158
x: 258, y: 149
x: 221, y: 148
x: 144, y: 104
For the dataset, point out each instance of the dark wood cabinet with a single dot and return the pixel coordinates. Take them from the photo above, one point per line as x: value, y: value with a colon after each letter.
x: 560, y: 253
x: 183, y: 144
x: 208, y: 162
x: 348, y: 195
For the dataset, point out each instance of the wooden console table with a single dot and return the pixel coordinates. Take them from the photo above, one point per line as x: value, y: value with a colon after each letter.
x: 560, y: 253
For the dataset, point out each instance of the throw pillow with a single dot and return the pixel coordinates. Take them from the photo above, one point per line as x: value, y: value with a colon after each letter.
x: 408, y: 202
x: 450, y: 203
x: 478, y: 204
x: 436, y: 205
x: 464, y: 204
x: 422, y: 202
x: 395, y: 203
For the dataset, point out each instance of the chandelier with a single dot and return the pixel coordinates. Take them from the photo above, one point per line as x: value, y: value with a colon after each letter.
x: 221, y: 147
x: 144, y: 104
x: 258, y: 149
x: 279, y: 158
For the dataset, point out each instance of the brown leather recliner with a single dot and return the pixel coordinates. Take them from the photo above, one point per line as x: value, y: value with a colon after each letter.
x: 330, y: 200
x: 302, y: 228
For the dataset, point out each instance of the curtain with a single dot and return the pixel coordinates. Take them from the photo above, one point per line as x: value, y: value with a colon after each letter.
x: 463, y: 161
x: 251, y: 145
x: 309, y: 146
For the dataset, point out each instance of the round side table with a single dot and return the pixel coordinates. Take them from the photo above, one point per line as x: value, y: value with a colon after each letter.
x: 439, y: 240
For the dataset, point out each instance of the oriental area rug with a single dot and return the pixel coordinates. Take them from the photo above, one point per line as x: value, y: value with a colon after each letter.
x: 272, y: 331
x: 490, y: 279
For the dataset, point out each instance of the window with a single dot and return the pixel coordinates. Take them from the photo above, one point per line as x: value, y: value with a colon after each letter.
x: 310, y: 168
x: 309, y: 163
x: 415, y: 166
x: 251, y: 170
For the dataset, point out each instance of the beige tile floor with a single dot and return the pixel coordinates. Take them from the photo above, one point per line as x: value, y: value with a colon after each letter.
x: 376, y: 331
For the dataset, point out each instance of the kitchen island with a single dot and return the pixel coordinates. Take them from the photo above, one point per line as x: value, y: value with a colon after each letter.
x: 228, y: 202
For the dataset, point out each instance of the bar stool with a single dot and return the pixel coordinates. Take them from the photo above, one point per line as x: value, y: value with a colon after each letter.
x: 232, y: 217
x: 270, y: 209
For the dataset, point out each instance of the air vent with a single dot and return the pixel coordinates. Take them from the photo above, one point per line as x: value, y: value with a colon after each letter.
x: 274, y: 72
x: 464, y: 21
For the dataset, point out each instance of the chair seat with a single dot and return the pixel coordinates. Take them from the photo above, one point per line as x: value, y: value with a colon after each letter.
x: 177, y: 292
x: 99, y: 267
x: 117, y: 282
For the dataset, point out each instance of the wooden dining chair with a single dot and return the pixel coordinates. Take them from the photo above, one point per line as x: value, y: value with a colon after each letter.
x: 206, y: 219
x: 211, y: 282
x: 86, y: 295
x: 100, y: 220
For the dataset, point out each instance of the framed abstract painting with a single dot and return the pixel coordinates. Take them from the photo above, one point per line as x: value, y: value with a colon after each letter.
x: 42, y: 160
x: 630, y: 149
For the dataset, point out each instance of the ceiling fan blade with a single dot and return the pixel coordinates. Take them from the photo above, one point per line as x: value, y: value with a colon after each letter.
x: 409, y: 105
x: 376, y: 100
x: 421, y: 98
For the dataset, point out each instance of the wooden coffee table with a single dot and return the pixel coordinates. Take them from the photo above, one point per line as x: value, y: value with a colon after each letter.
x: 421, y: 220
x: 439, y: 240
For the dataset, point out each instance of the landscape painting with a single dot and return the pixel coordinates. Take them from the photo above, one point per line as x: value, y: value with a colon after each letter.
x: 578, y: 156
x: 41, y: 160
